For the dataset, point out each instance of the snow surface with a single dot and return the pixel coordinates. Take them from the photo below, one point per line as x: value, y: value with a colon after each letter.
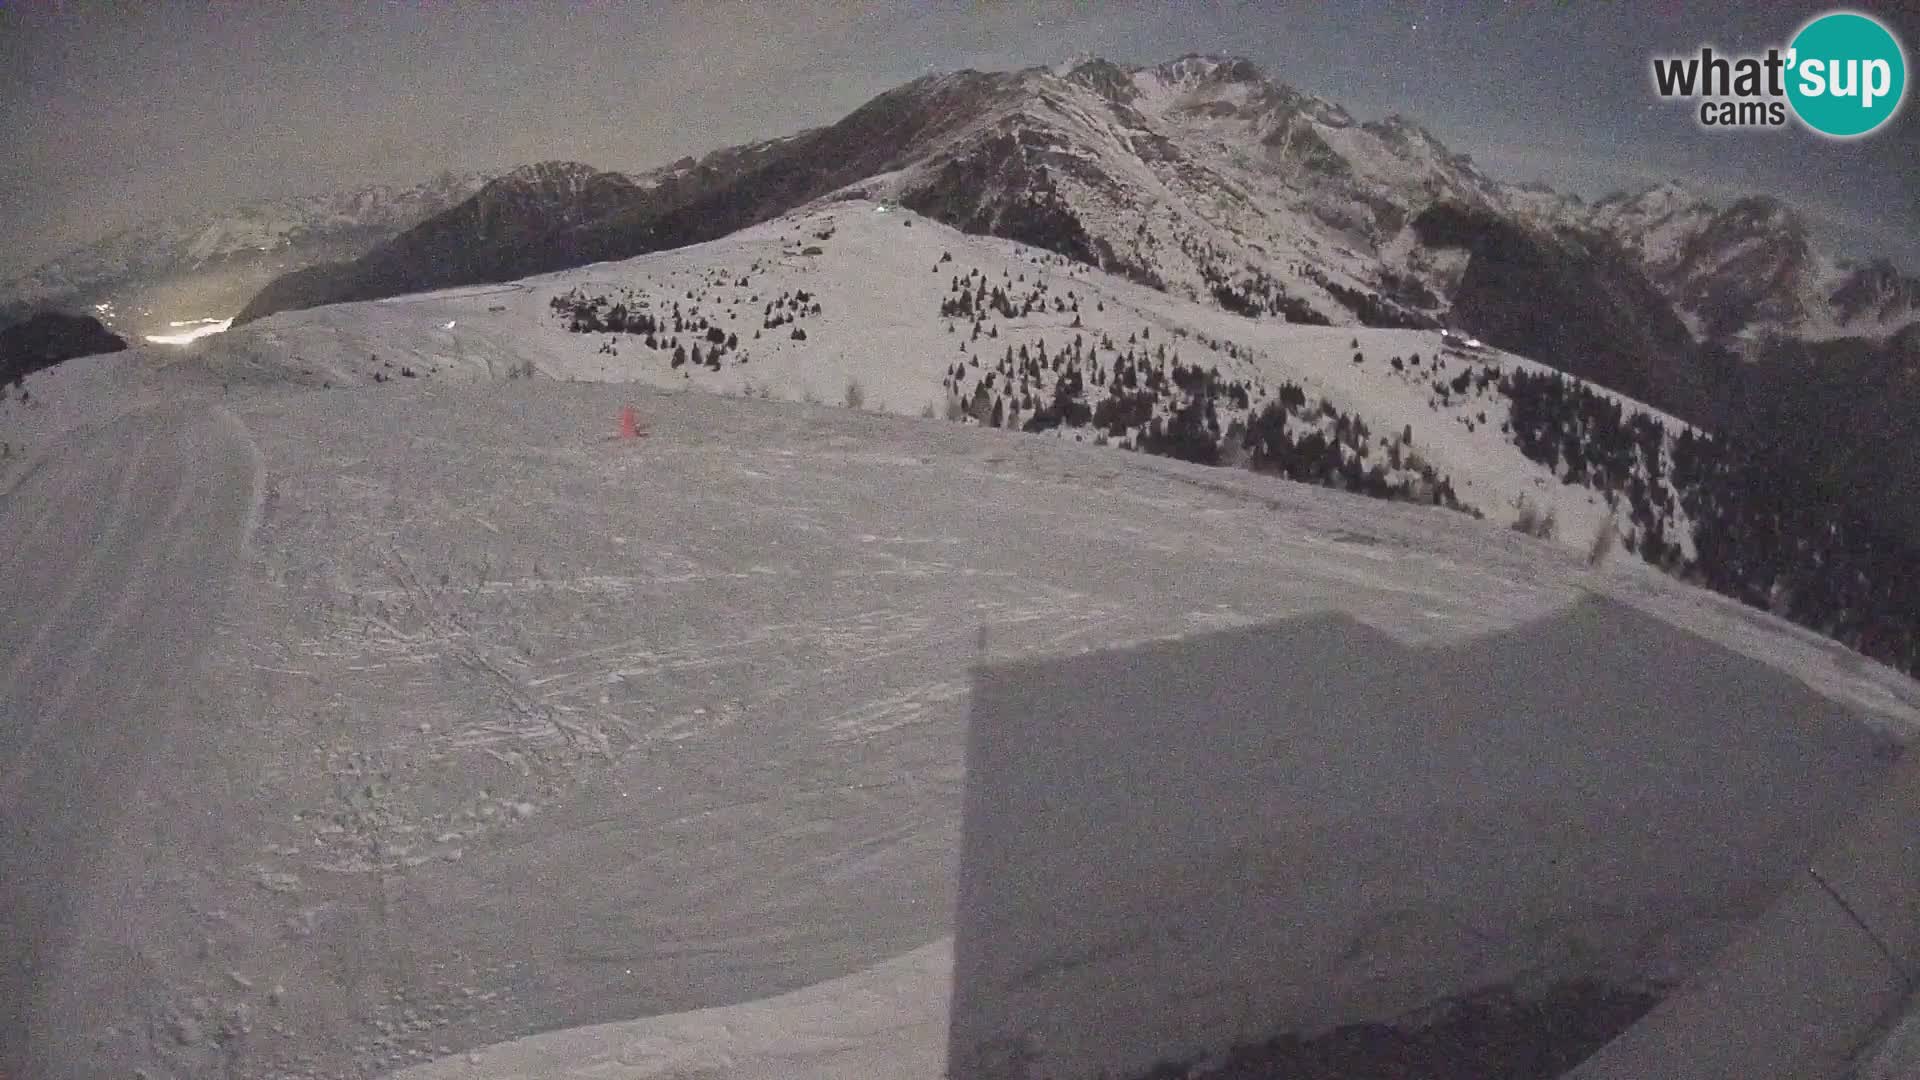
x: 1897, y: 1055
x: 886, y: 1023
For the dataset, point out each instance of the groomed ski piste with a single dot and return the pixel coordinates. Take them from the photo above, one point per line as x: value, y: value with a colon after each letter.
x: 476, y: 741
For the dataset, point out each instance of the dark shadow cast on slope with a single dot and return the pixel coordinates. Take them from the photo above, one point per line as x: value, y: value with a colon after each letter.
x: 1331, y: 850
x: 1496, y: 1035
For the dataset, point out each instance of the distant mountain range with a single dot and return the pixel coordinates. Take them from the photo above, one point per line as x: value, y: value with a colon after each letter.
x: 140, y: 279
x: 1199, y: 175
x: 1732, y: 269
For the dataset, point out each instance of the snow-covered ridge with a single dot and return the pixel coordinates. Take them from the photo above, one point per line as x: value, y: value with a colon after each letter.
x: 851, y: 295
x: 1655, y: 224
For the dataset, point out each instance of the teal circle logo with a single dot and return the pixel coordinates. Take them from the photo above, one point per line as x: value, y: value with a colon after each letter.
x: 1846, y: 74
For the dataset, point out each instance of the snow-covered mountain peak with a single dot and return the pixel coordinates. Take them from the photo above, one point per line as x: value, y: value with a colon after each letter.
x: 1748, y: 270
x: 1225, y: 87
x: 1655, y: 223
x: 1401, y: 131
x: 1198, y: 69
x: 1765, y: 212
x: 1105, y: 78
x: 1662, y: 197
x: 1202, y: 175
x: 557, y: 176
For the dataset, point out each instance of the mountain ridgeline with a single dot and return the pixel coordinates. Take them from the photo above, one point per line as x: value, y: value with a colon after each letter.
x: 140, y: 279
x: 1201, y: 177
x: 557, y: 215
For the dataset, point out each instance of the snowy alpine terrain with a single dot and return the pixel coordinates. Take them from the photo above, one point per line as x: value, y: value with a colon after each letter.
x: 918, y: 318
x: 863, y: 295
x: 480, y: 721
x: 507, y: 726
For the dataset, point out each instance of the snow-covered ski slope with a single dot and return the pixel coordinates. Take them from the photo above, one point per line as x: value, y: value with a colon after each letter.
x: 879, y: 277
x: 509, y: 727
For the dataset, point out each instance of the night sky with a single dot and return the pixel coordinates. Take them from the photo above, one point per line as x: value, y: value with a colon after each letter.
x: 113, y: 114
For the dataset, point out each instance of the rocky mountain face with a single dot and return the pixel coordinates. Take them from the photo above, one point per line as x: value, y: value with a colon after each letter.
x: 1747, y: 271
x: 1570, y: 296
x: 139, y: 279
x: 47, y: 339
x: 1874, y: 293
x: 1200, y: 175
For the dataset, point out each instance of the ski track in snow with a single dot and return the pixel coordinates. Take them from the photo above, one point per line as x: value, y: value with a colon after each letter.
x: 93, y: 691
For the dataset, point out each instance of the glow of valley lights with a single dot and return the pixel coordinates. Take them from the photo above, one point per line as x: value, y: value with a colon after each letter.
x: 201, y: 328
